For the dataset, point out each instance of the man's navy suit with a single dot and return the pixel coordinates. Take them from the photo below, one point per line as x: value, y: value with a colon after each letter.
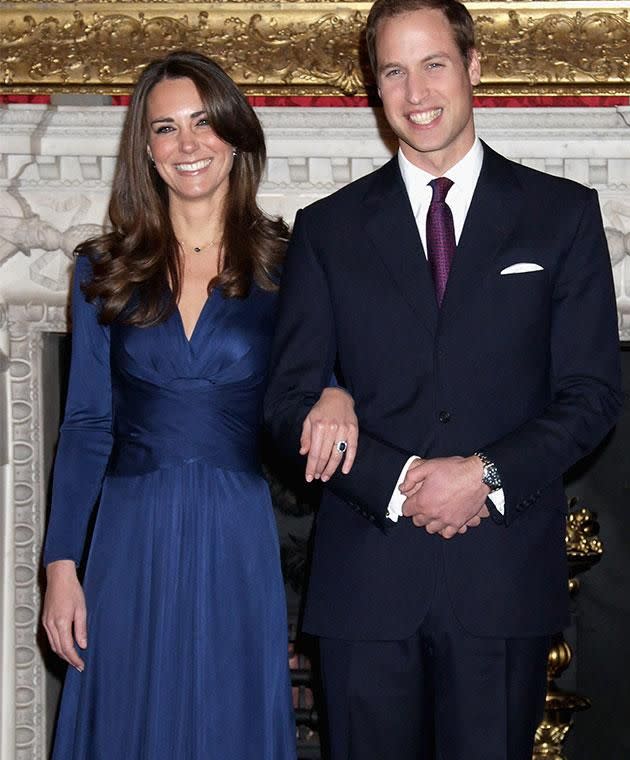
x: 524, y: 367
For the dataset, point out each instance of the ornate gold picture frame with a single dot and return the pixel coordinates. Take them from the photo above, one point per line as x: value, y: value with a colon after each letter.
x: 303, y: 47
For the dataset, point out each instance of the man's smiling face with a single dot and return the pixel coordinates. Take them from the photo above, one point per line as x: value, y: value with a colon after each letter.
x: 426, y: 87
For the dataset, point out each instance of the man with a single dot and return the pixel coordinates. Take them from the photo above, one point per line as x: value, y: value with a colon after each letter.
x: 479, y: 376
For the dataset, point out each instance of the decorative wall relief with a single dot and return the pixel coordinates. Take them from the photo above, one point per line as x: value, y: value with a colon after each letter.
x: 308, y: 48
x: 553, y: 46
x: 30, y: 232
x: 617, y: 214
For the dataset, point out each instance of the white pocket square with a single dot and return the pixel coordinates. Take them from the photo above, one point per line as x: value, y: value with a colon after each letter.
x: 524, y: 266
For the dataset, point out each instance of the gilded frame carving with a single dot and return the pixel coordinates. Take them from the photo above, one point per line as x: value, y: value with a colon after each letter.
x: 303, y: 47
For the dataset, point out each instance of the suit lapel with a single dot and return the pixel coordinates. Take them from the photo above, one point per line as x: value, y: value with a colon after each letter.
x: 391, y: 229
x: 493, y: 213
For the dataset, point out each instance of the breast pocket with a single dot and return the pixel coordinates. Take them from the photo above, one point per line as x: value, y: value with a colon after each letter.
x: 520, y: 301
x: 512, y: 281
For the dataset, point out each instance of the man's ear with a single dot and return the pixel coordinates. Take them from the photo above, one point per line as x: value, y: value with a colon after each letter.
x: 474, y: 67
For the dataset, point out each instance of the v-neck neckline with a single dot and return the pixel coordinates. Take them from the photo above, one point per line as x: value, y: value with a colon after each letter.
x: 200, y: 316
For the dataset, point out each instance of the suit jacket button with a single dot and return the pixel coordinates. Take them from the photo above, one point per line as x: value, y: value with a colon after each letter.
x: 444, y: 416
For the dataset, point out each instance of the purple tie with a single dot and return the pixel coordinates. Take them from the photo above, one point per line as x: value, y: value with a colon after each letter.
x: 440, y: 235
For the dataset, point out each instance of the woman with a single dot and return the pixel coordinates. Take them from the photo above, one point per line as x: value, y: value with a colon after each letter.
x: 182, y: 654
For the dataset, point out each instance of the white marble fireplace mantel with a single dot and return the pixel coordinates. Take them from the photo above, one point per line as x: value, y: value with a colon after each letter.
x: 56, y: 166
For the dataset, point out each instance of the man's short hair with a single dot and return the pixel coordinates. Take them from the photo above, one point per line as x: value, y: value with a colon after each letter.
x: 456, y: 14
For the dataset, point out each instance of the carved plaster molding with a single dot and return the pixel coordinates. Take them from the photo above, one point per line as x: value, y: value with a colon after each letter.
x: 303, y: 48
x: 27, y: 323
x: 76, y: 130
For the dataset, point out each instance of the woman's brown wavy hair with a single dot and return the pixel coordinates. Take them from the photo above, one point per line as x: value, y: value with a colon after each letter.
x: 137, y: 266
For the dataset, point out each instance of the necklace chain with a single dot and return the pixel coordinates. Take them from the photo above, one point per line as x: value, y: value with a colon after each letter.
x: 199, y: 248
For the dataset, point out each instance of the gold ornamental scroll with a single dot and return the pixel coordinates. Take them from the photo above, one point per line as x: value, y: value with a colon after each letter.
x: 299, y: 47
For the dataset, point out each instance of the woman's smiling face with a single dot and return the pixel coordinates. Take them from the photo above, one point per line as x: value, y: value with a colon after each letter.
x: 189, y: 156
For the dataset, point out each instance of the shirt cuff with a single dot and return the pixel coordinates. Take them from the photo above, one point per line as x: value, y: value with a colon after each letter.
x: 394, y: 508
x: 498, y: 499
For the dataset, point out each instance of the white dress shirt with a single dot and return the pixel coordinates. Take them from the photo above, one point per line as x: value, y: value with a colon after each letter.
x: 464, y: 175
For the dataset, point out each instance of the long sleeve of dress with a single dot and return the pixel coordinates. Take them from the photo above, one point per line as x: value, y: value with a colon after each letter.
x: 85, y: 439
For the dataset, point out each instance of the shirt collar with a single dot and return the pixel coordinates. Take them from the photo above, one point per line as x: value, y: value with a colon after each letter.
x: 464, y: 174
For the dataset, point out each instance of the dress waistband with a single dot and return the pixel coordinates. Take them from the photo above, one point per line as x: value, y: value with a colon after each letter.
x: 137, y: 457
x: 157, y: 427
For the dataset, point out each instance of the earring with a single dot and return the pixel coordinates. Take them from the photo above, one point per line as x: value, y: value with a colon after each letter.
x: 234, y: 152
x: 150, y: 155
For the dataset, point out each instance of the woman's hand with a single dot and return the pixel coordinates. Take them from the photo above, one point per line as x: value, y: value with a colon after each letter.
x: 65, y: 612
x: 331, y: 420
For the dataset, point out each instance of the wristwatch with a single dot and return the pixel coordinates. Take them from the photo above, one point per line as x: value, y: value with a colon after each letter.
x: 490, y: 475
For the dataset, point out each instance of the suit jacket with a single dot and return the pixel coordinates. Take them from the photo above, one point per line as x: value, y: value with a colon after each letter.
x: 522, y: 366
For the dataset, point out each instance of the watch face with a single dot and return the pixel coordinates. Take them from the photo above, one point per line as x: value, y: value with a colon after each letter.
x: 491, y: 477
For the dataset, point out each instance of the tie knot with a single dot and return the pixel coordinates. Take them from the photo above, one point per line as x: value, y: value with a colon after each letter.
x: 440, y: 186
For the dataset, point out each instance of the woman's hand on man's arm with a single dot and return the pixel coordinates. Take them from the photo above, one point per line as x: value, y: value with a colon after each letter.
x: 331, y: 421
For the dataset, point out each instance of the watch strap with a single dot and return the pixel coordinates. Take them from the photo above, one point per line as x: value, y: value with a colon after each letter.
x: 491, y: 476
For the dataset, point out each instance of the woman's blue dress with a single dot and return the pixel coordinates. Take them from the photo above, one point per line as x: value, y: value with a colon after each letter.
x: 187, y: 632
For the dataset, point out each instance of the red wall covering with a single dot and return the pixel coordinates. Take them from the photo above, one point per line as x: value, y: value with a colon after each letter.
x: 24, y: 98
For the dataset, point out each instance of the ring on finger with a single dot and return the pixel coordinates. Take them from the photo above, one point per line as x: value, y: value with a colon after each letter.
x: 341, y: 446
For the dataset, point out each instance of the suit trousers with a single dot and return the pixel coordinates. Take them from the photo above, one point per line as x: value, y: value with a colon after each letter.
x: 442, y: 694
